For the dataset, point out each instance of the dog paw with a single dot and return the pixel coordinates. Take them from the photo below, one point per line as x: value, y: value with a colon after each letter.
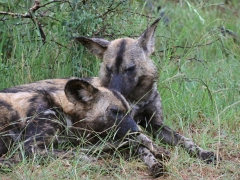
x: 209, y: 157
x: 157, y: 170
x: 163, y: 155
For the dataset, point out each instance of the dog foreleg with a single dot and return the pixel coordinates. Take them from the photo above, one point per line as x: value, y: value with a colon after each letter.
x: 159, y: 152
x: 156, y: 168
x: 168, y: 136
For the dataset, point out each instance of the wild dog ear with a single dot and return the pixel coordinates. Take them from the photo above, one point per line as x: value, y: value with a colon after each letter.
x: 79, y: 90
x: 146, y: 40
x: 97, y: 46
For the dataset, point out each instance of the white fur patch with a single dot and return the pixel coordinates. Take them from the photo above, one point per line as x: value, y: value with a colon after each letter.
x: 49, y: 112
x: 68, y: 124
x: 13, y: 135
x: 68, y: 120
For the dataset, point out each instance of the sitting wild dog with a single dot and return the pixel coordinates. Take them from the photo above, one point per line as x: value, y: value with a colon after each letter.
x: 74, y: 110
x: 127, y: 67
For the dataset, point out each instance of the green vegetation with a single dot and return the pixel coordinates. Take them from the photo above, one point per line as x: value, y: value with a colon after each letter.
x: 197, y: 53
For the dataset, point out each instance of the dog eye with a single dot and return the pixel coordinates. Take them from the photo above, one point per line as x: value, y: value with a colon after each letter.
x: 109, y: 70
x: 116, y: 112
x: 130, y: 69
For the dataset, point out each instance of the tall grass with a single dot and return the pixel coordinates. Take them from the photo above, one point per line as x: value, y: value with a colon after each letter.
x: 198, y: 64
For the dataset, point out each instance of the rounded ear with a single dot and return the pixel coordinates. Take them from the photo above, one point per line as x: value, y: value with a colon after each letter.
x: 78, y: 90
x: 96, y: 46
x: 147, y: 40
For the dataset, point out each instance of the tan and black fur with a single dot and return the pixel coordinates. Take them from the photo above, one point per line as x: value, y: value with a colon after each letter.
x: 77, y: 110
x: 38, y: 117
x: 127, y: 67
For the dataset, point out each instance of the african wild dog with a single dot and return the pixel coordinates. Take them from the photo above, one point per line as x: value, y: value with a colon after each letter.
x: 127, y: 67
x: 50, y: 111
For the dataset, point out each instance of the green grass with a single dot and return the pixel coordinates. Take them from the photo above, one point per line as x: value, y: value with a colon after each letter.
x: 199, y: 80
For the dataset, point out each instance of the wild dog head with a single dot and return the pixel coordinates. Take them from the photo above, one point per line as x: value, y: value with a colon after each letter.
x: 103, y: 108
x: 126, y: 65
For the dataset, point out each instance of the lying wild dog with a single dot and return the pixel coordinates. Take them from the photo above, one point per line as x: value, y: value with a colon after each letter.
x: 127, y: 67
x: 51, y: 111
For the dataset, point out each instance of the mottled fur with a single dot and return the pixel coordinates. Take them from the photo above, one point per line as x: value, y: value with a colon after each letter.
x: 51, y: 111
x: 127, y: 67
x: 79, y: 111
